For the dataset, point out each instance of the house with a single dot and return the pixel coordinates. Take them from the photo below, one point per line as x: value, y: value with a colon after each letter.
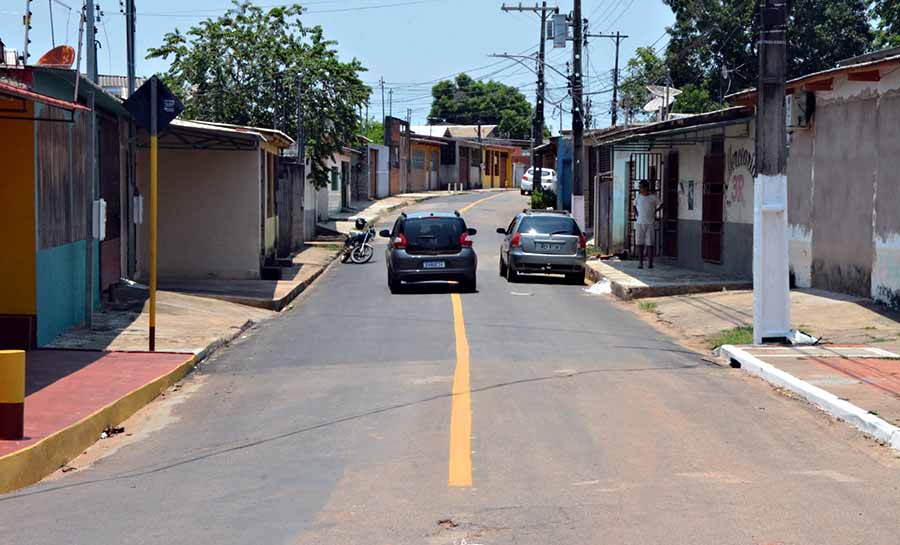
x: 702, y: 168
x: 844, y: 177
x: 425, y: 164
x: 397, y: 140
x: 497, y: 169
x: 61, y: 244
x: 217, y: 209
x: 337, y: 196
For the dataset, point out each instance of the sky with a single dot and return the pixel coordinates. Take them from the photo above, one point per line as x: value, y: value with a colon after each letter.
x: 410, y: 43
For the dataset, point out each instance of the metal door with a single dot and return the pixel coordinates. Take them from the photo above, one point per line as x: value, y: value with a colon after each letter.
x: 670, y: 207
x: 644, y: 167
x: 373, y: 173
x: 603, y: 226
x: 463, y: 161
x: 713, y: 208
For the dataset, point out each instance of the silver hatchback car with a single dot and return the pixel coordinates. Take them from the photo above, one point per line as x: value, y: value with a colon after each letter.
x: 543, y: 241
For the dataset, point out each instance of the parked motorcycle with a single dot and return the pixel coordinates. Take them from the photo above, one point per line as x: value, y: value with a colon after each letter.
x: 358, y: 247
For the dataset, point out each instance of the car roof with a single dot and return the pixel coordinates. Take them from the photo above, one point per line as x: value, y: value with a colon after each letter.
x: 420, y: 215
x: 546, y: 213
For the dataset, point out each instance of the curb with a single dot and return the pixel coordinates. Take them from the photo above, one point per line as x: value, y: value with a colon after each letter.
x: 628, y: 294
x: 31, y: 464
x: 859, y: 418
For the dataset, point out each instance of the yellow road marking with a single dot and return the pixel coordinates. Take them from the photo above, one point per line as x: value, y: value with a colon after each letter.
x: 461, y: 406
x: 470, y: 206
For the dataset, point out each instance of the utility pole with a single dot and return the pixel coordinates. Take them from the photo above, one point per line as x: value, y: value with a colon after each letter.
x: 391, y: 102
x: 90, y: 190
x: 131, y: 162
x: 771, y: 289
x: 577, y: 118
x: 26, y: 21
x: 617, y: 37
x: 537, y: 128
x: 91, y: 42
x: 383, y: 111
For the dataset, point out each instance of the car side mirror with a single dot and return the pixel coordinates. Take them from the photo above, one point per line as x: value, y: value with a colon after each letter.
x: 501, y: 230
x: 471, y: 231
x: 385, y: 233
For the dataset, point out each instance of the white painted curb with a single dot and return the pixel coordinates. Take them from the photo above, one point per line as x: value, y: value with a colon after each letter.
x: 864, y: 421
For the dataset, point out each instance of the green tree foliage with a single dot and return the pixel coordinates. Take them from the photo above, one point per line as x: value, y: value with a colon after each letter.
x: 244, y: 66
x: 645, y: 68
x: 374, y: 131
x: 695, y: 99
x: 887, y: 13
x: 713, y: 42
x: 465, y: 101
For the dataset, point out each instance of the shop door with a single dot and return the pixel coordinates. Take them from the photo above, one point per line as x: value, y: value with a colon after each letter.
x: 713, y: 207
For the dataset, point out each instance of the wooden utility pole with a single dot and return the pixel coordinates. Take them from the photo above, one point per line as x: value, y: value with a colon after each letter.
x: 577, y: 118
x: 771, y: 289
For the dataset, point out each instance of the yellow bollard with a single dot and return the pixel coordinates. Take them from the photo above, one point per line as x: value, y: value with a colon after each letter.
x: 12, y: 394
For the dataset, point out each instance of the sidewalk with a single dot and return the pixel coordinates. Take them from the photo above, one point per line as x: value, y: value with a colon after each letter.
x: 373, y: 211
x: 854, y: 374
x: 629, y: 282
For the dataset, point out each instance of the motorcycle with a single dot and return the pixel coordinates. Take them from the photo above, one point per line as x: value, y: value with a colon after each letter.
x: 358, y: 247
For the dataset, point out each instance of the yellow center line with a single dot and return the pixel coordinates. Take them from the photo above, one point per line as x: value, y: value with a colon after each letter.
x: 472, y: 205
x: 460, y: 463
x: 461, y: 407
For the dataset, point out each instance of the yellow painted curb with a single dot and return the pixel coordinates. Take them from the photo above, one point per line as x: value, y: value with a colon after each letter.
x: 33, y: 463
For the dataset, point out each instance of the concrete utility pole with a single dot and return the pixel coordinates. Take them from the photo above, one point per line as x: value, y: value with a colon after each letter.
x: 617, y: 37
x: 90, y: 190
x: 383, y: 111
x: 391, y: 102
x: 91, y: 41
x: 577, y: 118
x: 26, y: 21
x: 537, y: 128
x: 131, y: 163
x: 771, y: 289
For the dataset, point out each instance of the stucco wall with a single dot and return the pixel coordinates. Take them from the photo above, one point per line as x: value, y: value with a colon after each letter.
x: 800, y: 174
x: 886, y: 268
x: 209, y: 214
x: 845, y: 159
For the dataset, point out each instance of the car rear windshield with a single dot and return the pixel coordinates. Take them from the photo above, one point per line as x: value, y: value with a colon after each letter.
x: 546, y: 225
x: 433, y: 234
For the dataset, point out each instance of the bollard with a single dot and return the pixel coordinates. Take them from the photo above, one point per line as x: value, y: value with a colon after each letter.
x: 12, y: 394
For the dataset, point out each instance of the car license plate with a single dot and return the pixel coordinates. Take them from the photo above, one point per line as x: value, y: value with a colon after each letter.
x: 434, y: 265
x: 549, y: 246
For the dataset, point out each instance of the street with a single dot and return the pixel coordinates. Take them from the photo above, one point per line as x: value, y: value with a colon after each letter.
x: 345, y: 421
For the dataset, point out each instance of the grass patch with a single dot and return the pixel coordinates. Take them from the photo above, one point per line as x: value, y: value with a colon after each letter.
x: 737, y: 335
x: 333, y: 247
x: 593, y: 250
x: 647, y: 306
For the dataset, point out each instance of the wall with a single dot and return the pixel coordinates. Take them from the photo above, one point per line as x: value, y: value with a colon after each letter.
x: 209, y: 214
x: 18, y: 290
x: 886, y: 268
x: 620, y: 200
x: 800, y: 192
x: 60, y: 288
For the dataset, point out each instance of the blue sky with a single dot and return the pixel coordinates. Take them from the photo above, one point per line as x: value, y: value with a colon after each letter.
x: 410, y: 43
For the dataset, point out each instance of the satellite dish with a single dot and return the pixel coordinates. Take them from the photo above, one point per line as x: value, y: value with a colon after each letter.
x: 60, y: 56
x: 663, y: 97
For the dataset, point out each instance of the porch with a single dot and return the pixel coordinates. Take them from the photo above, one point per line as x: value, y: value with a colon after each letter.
x: 629, y: 282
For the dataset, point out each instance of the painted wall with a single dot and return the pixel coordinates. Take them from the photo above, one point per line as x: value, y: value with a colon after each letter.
x: 209, y: 214
x: 620, y: 200
x: 800, y: 193
x: 886, y: 268
x: 60, y: 288
x: 18, y: 291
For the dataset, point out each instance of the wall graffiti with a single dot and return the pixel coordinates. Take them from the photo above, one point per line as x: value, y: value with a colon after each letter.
x: 740, y: 169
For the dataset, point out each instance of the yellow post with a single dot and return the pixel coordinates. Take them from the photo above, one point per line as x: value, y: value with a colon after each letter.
x: 12, y: 394
x: 153, y: 181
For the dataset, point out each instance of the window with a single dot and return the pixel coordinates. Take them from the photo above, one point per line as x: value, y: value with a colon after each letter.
x: 335, y: 179
x: 546, y: 225
x: 418, y: 159
x: 448, y: 154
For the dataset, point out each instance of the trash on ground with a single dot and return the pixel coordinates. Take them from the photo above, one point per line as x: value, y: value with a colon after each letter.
x: 112, y: 430
x: 602, y: 287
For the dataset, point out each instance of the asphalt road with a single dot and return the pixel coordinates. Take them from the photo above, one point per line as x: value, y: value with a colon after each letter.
x: 351, y: 419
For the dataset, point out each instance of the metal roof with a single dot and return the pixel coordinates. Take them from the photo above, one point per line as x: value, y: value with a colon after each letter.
x: 273, y: 136
x: 7, y: 89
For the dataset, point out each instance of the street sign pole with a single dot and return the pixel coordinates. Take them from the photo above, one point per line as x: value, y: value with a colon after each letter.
x: 154, y: 148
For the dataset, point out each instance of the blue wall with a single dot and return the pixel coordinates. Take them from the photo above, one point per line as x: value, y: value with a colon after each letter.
x: 60, y: 288
x: 564, y: 174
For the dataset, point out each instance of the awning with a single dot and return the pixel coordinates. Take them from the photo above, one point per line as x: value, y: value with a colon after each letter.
x: 9, y: 90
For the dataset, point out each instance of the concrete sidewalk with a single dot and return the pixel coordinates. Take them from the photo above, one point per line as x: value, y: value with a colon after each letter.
x: 72, y: 397
x: 629, y: 282
x: 854, y: 374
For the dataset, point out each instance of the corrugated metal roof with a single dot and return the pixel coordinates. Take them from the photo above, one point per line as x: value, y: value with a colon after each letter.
x: 8, y: 89
x: 266, y: 135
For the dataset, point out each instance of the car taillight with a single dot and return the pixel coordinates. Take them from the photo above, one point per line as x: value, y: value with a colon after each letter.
x: 464, y: 240
x: 516, y: 240
x: 400, y: 241
x: 582, y: 242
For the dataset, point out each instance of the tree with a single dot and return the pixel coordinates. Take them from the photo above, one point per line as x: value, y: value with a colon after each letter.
x: 887, y: 12
x: 645, y: 68
x: 466, y: 101
x: 713, y: 42
x: 695, y: 99
x: 374, y: 131
x: 244, y: 67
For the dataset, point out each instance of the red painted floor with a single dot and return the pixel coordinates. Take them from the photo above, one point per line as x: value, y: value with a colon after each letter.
x: 883, y: 374
x: 64, y: 386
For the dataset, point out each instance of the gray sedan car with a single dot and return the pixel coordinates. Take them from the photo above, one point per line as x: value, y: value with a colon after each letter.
x: 543, y: 241
x: 429, y: 246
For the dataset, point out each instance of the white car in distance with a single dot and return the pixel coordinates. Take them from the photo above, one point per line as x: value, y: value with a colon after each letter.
x: 548, y: 180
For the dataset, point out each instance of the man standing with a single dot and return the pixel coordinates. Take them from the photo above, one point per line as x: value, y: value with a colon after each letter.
x: 645, y: 207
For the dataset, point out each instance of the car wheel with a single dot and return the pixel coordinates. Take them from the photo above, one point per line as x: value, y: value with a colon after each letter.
x: 575, y: 278
x: 502, y: 268
x: 511, y: 274
x: 393, y: 283
x: 470, y: 285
